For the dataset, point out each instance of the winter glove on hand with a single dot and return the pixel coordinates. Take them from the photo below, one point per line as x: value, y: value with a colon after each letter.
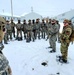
x: 50, y: 33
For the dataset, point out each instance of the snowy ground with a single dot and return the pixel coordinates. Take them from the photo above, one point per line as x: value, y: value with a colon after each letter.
x: 26, y: 58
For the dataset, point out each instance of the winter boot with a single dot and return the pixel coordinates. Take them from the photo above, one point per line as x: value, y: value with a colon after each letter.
x: 5, y: 43
x: 52, y: 51
x: 21, y: 38
x: 27, y: 39
x: 64, y: 60
x: 61, y: 59
x: 24, y: 37
x: 49, y: 47
x: 33, y: 40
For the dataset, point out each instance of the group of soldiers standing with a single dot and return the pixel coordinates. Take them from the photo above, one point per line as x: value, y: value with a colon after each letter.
x: 29, y: 31
x: 46, y: 29
x: 32, y: 30
x: 9, y: 31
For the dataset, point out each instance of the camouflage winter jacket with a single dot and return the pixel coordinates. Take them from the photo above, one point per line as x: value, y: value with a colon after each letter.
x: 18, y: 26
x: 8, y: 27
x: 29, y: 27
x: 4, y: 64
x: 66, y: 33
x: 53, y: 30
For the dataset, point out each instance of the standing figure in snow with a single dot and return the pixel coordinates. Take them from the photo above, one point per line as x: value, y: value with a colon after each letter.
x: 48, y: 26
x: 8, y: 30
x: 4, y: 63
x: 24, y: 28
x: 65, y: 40
x: 43, y: 29
x: 53, y: 35
x: 29, y: 31
x: 58, y: 34
x: 38, y: 28
x: 13, y: 27
x: 34, y: 29
x: 19, y: 31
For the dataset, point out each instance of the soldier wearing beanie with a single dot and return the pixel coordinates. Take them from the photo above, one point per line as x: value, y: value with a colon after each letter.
x: 19, y: 31
x: 53, y: 35
x: 65, y: 41
x: 29, y: 31
x: 24, y: 28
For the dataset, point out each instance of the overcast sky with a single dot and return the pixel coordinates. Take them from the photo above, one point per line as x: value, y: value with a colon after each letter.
x: 42, y: 7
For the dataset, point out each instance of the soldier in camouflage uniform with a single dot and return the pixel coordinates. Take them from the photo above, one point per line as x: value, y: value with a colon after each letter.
x: 4, y: 63
x: 70, y: 23
x: 58, y: 34
x: 65, y: 40
x: 5, y: 38
x: 38, y: 28
x: 29, y: 31
x: 8, y: 30
x: 48, y: 25
x: 24, y: 28
x: 53, y: 35
x: 34, y: 29
x: 19, y: 31
x: 43, y: 29
x: 13, y: 27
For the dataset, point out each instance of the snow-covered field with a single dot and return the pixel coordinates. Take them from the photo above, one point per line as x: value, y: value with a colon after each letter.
x: 26, y: 58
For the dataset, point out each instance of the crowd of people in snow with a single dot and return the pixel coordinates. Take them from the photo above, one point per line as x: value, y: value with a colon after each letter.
x: 34, y: 29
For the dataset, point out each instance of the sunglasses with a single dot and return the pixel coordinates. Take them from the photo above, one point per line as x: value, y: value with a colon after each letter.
x: 64, y: 22
x: 52, y: 21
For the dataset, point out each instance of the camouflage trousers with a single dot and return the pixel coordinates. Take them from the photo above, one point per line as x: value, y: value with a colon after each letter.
x: 19, y: 33
x: 13, y: 34
x: 58, y: 37
x: 5, y: 38
x: 64, y: 49
x: 37, y: 34
x: 52, y: 41
x: 9, y: 34
x: 25, y: 32
x: 43, y: 34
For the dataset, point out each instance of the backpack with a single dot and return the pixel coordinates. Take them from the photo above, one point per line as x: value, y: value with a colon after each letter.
x: 72, y: 36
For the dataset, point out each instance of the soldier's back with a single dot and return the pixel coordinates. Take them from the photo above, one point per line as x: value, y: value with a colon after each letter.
x: 3, y: 64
